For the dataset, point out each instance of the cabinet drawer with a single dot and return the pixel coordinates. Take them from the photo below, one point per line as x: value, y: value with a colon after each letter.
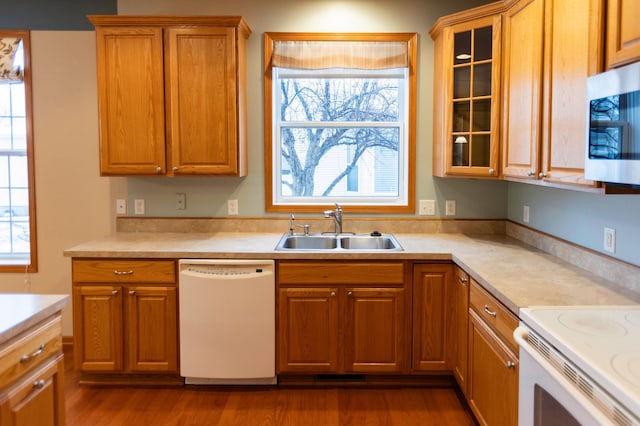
x: 499, y: 318
x: 323, y: 273
x: 29, y: 349
x: 123, y: 271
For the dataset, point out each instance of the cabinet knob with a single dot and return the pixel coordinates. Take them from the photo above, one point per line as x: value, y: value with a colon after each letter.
x: 542, y: 175
x: 510, y: 364
x: 114, y: 292
x: 349, y: 293
x: 158, y: 169
x: 175, y: 168
x: 39, y: 384
x: 531, y: 174
x: 333, y: 294
x: 491, y: 171
x: 492, y: 313
x: 464, y: 280
x: 132, y: 292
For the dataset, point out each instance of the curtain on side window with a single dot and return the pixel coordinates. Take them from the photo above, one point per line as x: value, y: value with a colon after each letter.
x: 314, y: 55
x: 10, y: 69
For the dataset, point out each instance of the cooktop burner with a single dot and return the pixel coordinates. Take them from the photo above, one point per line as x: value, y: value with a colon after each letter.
x: 592, y: 325
x: 603, y: 341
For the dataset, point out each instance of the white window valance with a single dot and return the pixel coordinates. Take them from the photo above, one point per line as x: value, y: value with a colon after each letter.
x: 11, y: 68
x: 368, y: 55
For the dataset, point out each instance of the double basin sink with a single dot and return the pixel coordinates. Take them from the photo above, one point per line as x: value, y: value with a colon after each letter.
x: 331, y: 242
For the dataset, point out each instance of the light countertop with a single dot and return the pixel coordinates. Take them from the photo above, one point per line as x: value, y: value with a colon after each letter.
x: 19, y: 311
x: 517, y: 274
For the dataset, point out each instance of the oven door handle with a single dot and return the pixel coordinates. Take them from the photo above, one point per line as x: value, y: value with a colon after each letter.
x: 521, y: 335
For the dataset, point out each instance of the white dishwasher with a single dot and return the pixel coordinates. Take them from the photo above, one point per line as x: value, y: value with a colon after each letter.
x: 227, y: 321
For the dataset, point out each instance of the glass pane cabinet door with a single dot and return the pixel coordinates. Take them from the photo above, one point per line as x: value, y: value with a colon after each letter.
x: 474, y: 107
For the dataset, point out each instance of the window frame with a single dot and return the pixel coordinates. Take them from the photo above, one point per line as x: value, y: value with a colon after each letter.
x: 269, y: 39
x: 32, y: 263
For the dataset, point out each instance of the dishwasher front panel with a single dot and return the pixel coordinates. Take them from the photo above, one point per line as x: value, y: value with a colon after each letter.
x: 227, y: 321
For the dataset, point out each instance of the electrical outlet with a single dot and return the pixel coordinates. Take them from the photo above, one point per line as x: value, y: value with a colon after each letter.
x: 121, y: 206
x: 450, y: 208
x: 427, y: 208
x: 610, y: 240
x: 181, y: 201
x: 232, y: 207
x: 138, y: 206
x: 525, y: 214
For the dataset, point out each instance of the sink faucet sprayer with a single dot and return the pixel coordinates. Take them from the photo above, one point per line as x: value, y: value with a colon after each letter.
x: 337, y: 218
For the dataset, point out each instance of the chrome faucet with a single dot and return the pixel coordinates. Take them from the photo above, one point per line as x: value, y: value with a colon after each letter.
x: 337, y: 218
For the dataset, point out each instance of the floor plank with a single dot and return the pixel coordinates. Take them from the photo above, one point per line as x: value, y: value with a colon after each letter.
x: 264, y: 406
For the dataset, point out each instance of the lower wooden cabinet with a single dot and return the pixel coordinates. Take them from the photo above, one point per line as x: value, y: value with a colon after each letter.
x: 492, y: 390
x: 342, y: 317
x: 461, y: 327
x: 125, y: 316
x: 433, y: 317
x: 38, y: 399
x: 31, y: 376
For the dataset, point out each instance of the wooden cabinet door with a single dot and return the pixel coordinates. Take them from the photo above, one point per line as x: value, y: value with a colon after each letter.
x: 308, y: 330
x: 202, y: 100
x: 433, y: 308
x: 374, y: 330
x: 151, y: 329
x: 623, y: 32
x: 461, y: 327
x: 97, y: 327
x: 522, y: 89
x: 573, y: 38
x: 38, y: 399
x: 131, y: 100
x: 493, y: 376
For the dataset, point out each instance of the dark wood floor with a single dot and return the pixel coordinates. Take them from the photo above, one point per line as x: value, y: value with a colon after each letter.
x: 144, y: 406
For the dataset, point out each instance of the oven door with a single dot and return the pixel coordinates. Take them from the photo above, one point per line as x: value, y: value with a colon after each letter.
x: 546, y: 397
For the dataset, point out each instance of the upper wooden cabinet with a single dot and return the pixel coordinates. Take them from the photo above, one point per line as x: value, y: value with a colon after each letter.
x: 550, y: 48
x: 172, y: 95
x: 467, y: 94
x: 623, y: 32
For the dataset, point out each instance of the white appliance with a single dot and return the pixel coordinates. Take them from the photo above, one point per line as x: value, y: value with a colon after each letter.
x: 227, y: 321
x: 579, y: 366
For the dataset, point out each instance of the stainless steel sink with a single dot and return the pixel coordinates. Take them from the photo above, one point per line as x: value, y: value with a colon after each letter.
x: 325, y: 242
x: 368, y: 242
x: 307, y: 242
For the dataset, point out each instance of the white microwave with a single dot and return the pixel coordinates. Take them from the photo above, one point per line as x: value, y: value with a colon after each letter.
x: 613, y: 126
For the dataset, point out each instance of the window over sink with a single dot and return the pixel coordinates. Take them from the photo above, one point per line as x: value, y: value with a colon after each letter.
x: 340, y: 121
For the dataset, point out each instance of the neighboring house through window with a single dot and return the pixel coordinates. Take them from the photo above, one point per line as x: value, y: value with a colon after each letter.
x: 17, y: 197
x: 340, y: 121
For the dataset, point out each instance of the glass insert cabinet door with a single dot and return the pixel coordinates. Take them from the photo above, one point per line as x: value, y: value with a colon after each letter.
x: 472, y: 145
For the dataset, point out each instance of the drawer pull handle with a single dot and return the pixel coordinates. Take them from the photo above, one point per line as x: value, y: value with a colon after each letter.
x: 511, y: 364
x: 129, y: 272
x: 39, y: 384
x: 492, y: 313
x: 26, y: 357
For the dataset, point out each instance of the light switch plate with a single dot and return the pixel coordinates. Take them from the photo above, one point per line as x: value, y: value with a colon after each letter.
x: 138, y: 206
x: 427, y: 208
x: 121, y: 206
x: 450, y: 208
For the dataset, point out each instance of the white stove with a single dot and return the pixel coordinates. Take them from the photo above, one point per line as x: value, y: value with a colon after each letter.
x: 595, y: 347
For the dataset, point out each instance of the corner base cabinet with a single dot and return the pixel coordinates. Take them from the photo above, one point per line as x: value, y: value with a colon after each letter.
x: 125, y: 316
